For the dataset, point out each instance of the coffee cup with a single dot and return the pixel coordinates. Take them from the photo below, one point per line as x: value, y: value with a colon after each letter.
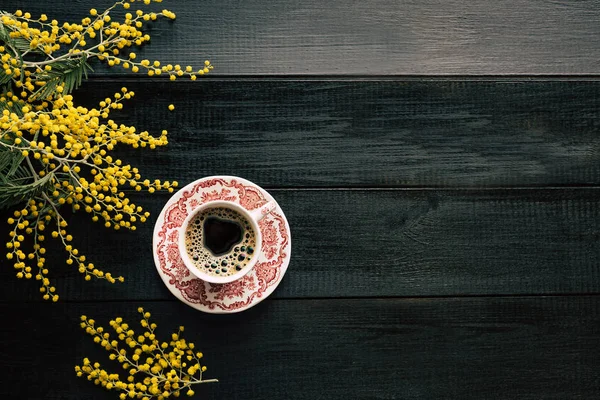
x: 220, y: 241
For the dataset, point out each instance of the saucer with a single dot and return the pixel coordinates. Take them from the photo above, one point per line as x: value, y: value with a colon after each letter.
x: 247, y: 291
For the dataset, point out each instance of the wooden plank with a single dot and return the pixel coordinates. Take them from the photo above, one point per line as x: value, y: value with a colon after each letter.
x: 469, y: 348
x: 379, y: 243
x: 378, y: 37
x: 346, y: 133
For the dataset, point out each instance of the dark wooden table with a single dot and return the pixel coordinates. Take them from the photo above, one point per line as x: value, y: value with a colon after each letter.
x: 439, y: 164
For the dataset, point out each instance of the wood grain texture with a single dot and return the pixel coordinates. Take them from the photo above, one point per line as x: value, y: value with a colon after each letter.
x: 379, y: 243
x: 346, y: 133
x: 471, y: 348
x: 446, y: 230
x: 376, y: 37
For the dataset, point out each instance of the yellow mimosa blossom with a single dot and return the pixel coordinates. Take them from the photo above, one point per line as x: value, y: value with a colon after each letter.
x: 154, y: 369
x: 61, y: 152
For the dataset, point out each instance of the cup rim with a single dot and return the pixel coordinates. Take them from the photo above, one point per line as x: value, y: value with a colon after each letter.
x: 192, y: 267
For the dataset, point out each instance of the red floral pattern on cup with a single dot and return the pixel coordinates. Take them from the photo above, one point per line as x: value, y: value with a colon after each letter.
x: 238, y: 294
x: 224, y: 194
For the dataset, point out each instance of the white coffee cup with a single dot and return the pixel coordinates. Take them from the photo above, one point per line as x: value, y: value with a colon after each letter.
x: 252, y: 216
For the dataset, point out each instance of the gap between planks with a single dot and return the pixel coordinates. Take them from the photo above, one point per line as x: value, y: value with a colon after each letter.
x: 447, y: 189
x: 346, y: 298
x: 102, y: 77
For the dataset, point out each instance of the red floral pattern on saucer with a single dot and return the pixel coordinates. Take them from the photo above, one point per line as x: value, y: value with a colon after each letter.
x: 238, y: 295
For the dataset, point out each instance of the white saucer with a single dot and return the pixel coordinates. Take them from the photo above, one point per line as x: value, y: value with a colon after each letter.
x: 232, y: 297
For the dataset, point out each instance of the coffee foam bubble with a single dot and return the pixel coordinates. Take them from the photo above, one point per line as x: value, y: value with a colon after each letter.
x: 229, y: 263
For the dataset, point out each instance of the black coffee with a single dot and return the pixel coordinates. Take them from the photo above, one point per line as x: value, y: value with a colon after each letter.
x: 221, y: 234
x: 220, y: 241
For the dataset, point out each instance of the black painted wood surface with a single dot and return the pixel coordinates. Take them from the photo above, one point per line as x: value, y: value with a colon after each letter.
x: 382, y: 243
x: 375, y: 37
x: 456, y: 348
x: 373, y: 133
x: 453, y: 190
